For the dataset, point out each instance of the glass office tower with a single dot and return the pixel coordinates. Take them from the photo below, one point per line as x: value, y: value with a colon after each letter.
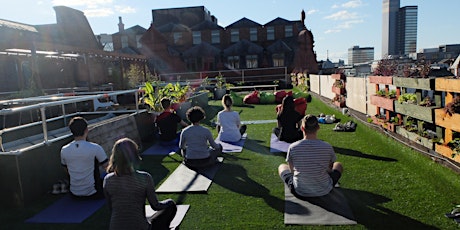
x: 399, y: 28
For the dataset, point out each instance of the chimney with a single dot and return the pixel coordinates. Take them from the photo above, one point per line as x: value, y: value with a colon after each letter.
x: 121, y: 26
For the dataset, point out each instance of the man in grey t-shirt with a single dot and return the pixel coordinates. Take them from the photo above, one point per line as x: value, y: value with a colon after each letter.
x: 311, y: 169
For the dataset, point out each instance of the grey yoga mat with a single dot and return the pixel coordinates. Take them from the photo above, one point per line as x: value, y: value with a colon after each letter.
x: 184, y: 179
x: 180, y: 214
x: 331, y: 209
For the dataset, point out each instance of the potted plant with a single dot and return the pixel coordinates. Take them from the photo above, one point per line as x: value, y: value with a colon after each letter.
x: 221, y: 87
x: 408, y: 98
x: 338, y: 87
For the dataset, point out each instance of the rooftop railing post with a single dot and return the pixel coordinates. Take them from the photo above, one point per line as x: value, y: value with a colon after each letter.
x: 136, y: 95
x: 45, y: 128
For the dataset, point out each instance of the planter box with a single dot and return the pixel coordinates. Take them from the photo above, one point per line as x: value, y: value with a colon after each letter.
x: 339, y: 104
x: 337, y: 90
x: 447, y: 84
x: 447, y: 152
x: 415, y: 83
x: 415, y: 137
x: 386, y: 125
x: 387, y: 80
x: 416, y: 111
x: 338, y: 76
x: 446, y: 121
x: 383, y: 102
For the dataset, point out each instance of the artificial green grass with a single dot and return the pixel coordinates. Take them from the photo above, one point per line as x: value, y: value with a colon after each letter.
x: 388, y: 185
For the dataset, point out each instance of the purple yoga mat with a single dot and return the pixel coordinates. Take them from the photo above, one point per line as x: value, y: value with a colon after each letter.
x: 162, y: 149
x: 67, y: 210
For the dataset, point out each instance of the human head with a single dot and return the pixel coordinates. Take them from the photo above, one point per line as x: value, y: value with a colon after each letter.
x: 195, y: 114
x: 310, y: 124
x: 288, y: 103
x: 78, y: 126
x: 125, y: 157
x: 227, y: 101
x: 165, y: 102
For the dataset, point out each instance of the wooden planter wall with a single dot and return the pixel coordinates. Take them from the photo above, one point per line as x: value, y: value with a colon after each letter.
x: 449, y: 124
x: 379, y: 101
x: 339, y: 91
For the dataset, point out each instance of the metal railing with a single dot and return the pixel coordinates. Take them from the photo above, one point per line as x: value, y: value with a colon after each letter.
x: 43, y: 102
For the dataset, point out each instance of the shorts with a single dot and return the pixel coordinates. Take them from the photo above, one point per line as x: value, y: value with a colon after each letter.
x: 287, y: 177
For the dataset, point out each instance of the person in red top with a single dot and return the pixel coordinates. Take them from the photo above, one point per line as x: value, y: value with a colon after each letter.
x: 167, y: 122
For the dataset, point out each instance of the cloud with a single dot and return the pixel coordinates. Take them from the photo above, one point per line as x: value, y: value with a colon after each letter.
x: 97, y: 13
x: 352, y: 4
x: 332, y: 31
x: 311, y: 12
x: 335, y: 6
x: 342, y: 15
x: 87, y: 3
x: 125, y: 9
x: 349, y: 24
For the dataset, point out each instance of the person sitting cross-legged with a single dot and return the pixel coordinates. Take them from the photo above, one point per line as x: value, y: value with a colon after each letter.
x: 167, y: 122
x: 228, y: 122
x: 194, y: 140
x: 311, y: 168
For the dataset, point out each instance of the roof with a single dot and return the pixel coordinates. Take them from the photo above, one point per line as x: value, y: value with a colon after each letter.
x: 17, y: 26
x: 206, y: 25
x: 133, y: 30
x: 244, y: 22
x: 243, y: 47
x: 279, y: 47
x: 456, y: 63
x: 278, y: 21
x: 173, y: 27
x: 203, y: 49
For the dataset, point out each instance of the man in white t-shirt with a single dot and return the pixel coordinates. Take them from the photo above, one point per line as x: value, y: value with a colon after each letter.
x: 311, y: 168
x: 82, y: 160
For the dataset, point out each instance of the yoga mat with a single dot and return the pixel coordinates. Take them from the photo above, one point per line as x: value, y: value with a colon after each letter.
x: 331, y: 209
x: 232, y: 147
x: 256, y: 122
x: 180, y: 214
x: 161, y: 150
x: 277, y: 146
x: 184, y: 179
x: 67, y: 210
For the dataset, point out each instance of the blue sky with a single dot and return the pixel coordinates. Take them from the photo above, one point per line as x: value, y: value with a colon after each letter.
x: 336, y: 24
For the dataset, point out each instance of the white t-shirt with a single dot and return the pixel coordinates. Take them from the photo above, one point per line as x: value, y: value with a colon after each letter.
x: 78, y: 157
x: 229, y: 122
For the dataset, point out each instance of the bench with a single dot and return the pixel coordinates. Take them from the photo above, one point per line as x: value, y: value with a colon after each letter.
x: 253, y: 87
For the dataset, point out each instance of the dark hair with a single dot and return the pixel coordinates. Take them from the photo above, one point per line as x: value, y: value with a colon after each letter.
x: 125, y: 157
x: 195, y: 114
x: 165, y: 102
x: 78, y: 126
x: 310, y: 123
x: 227, y: 101
x: 288, y: 104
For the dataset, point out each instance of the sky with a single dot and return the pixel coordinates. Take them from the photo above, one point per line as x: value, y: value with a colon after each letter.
x: 337, y: 25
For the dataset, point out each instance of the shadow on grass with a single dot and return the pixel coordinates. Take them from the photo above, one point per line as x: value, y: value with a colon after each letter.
x: 354, y: 153
x: 368, y: 212
x: 237, y: 180
x: 154, y: 166
x: 257, y: 146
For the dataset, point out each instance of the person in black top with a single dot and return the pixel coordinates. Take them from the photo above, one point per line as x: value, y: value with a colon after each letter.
x: 288, y: 129
x: 167, y: 122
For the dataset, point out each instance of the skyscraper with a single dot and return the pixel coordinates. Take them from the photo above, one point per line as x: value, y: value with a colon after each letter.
x: 399, y: 28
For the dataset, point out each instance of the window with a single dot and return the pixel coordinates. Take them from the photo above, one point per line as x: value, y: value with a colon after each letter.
x: 251, y: 61
x: 215, y: 36
x: 235, y: 35
x: 253, y: 34
x: 192, y: 64
x: 270, y: 33
x: 124, y: 41
x: 233, y: 62
x: 196, y: 37
x: 177, y: 37
x: 138, y: 41
x: 108, y: 46
x: 278, y: 59
x: 288, y: 31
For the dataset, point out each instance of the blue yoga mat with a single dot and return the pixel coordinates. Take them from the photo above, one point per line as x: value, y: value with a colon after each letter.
x: 67, y: 210
x: 277, y: 146
x: 163, y: 149
x: 232, y: 147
